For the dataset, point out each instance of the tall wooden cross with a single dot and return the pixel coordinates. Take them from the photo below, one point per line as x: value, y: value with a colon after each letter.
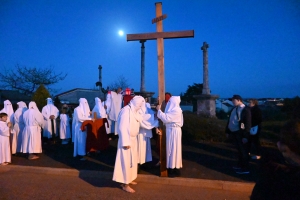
x: 159, y: 36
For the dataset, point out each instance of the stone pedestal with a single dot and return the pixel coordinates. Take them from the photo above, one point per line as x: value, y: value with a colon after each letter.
x: 206, y: 105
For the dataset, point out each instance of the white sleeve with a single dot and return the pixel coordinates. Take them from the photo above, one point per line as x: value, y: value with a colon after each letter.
x: 4, y: 131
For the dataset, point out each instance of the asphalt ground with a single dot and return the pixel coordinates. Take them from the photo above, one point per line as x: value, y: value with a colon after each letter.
x: 201, y: 160
x: 18, y: 184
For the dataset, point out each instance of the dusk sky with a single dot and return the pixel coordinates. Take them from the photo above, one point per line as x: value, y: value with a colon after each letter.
x: 254, y: 46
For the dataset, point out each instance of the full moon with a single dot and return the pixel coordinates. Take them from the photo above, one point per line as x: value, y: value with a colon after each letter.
x: 121, y: 33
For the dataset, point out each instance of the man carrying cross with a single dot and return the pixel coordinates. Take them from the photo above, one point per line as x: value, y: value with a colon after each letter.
x: 159, y: 36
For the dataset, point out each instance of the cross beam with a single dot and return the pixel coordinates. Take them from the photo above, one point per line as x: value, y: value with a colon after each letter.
x: 156, y: 35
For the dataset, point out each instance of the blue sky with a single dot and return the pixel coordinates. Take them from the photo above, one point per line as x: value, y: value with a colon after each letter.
x: 254, y: 45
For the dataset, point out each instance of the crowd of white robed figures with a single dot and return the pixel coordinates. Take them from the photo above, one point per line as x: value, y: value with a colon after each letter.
x: 24, y: 122
x: 133, y: 123
x: 27, y: 124
x: 111, y: 112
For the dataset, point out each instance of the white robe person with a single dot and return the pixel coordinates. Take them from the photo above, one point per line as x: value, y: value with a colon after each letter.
x: 81, y: 113
x: 114, y: 105
x: 125, y: 170
x: 50, y: 113
x: 64, y: 128
x: 32, y: 140
x: 99, y: 109
x: 8, y: 109
x: 145, y: 134
x: 173, y: 120
x: 5, y: 156
x: 100, y: 112
x: 107, y: 104
x: 108, y: 124
x: 18, y: 127
x: 73, y: 125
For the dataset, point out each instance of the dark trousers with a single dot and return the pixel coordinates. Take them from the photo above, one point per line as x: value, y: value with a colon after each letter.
x: 254, y: 143
x: 243, y: 156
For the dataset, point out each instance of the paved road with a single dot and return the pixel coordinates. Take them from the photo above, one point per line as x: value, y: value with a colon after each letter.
x: 16, y: 184
x: 204, y: 160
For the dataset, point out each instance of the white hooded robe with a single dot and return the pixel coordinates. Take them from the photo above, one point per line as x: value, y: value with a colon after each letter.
x: 5, y: 155
x: 8, y: 109
x: 81, y: 113
x: 100, y: 112
x: 173, y: 120
x: 125, y: 170
x: 64, y: 128
x: 47, y: 111
x: 18, y: 127
x: 31, y: 136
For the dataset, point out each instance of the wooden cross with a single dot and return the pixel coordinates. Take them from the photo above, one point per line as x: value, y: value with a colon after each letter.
x: 159, y: 36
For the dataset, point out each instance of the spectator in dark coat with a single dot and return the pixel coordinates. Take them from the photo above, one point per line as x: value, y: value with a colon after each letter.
x: 238, y: 126
x: 256, y: 119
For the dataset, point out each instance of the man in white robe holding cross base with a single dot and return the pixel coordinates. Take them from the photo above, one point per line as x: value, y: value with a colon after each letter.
x: 125, y: 170
x: 173, y: 120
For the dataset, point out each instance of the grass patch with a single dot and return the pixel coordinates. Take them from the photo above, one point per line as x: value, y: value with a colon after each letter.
x: 203, y: 129
x: 197, y: 128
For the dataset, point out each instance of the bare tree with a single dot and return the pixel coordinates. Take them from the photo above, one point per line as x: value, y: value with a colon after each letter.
x: 28, y: 79
x: 121, y: 82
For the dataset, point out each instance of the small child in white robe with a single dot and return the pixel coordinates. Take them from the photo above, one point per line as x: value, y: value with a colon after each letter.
x: 64, y: 129
x: 5, y: 156
x: 8, y: 109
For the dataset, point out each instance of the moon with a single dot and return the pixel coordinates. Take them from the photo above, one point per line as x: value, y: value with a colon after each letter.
x: 121, y: 33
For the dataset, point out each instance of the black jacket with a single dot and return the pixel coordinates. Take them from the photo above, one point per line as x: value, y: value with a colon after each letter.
x: 256, y: 116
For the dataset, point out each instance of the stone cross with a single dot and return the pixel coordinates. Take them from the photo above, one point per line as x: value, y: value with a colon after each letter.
x: 205, y: 89
x: 159, y: 36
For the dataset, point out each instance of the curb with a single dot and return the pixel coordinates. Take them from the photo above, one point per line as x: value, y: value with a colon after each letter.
x: 189, y: 182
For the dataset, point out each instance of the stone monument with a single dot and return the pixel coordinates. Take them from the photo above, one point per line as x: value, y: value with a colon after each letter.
x: 142, y: 91
x: 206, y: 102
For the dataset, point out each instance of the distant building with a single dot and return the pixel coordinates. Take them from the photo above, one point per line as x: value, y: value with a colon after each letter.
x: 14, y: 97
x: 72, y: 97
x: 225, y: 105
